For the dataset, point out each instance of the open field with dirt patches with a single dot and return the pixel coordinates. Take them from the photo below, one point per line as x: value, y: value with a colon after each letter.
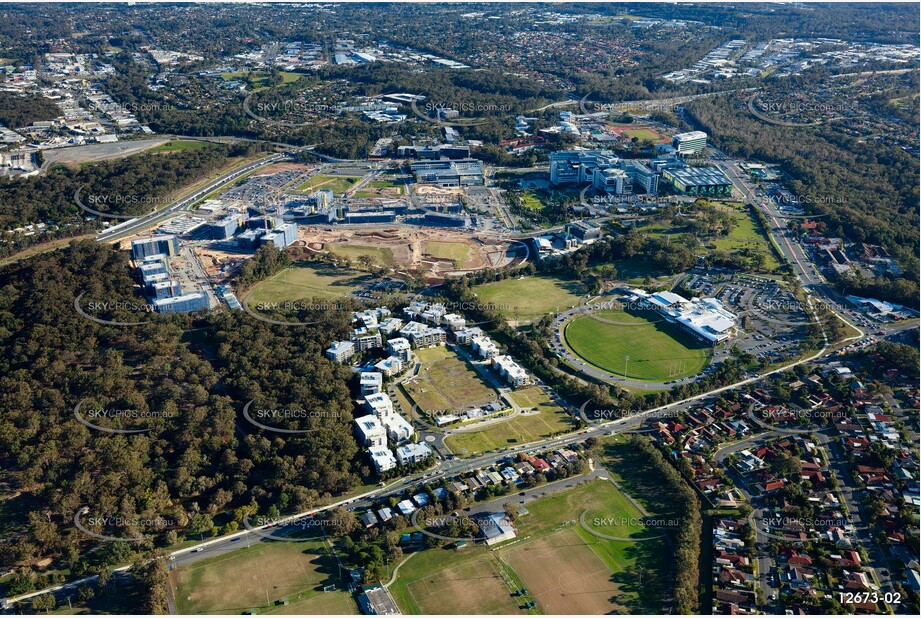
x: 432, y: 252
x: 259, y: 577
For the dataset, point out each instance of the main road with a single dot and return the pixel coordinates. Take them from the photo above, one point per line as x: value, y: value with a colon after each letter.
x: 133, y: 226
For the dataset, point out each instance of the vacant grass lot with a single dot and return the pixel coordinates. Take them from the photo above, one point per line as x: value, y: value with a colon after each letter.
x: 393, y: 188
x: 180, y: 145
x: 531, y: 297
x: 337, y: 184
x: 447, y: 382
x: 745, y: 235
x: 381, y: 255
x: 569, y: 570
x: 306, y: 280
x: 657, y: 350
x: 457, y: 252
x: 551, y: 420
x: 259, y: 577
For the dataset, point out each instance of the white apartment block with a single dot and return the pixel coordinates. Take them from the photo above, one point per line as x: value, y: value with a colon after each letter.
x: 371, y: 382
x: 340, y: 351
x: 422, y: 335
x: 365, y: 340
x: 370, y: 432
x: 401, y: 348
x: 513, y: 373
x: 383, y: 459
x: 484, y: 346
x: 379, y: 404
x: 412, y: 453
x: 453, y: 321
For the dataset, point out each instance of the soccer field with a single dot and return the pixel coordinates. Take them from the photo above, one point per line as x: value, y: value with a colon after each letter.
x: 638, y: 345
x: 530, y: 298
x: 260, y: 577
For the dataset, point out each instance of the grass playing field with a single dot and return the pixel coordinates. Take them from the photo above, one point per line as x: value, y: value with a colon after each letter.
x: 551, y: 419
x: 259, y: 577
x: 381, y: 255
x: 306, y: 280
x: 530, y: 298
x: 446, y: 382
x: 447, y: 581
x: 337, y: 184
x: 457, y: 252
x: 568, y: 570
x: 657, y: 350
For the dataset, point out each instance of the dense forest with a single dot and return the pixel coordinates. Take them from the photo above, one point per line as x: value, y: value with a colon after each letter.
x: 865, y: 190
x: 20, y: 111
x: 129, y: 186
x: 185, y: 381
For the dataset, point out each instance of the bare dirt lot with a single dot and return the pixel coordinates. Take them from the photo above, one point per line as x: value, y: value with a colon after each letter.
x: 564, y: 575
x: 435, y: 253
x: 99, y: 152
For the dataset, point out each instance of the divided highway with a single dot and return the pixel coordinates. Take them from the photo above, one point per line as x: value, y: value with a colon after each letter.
x: 139, y: 224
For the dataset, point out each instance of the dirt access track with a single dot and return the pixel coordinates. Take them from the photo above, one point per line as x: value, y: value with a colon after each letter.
x: 434, y: 252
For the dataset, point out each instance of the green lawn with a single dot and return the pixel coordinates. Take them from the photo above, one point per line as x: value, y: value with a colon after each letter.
x: 261, y: 78
x: 380, y: 255
x: 337, y: 184
x: 524, y: 428
x: 624, y: 559
x: 306, y: 280
x: 370, y: 190
x: 745, y: 235
x: 643, y: 135
x: 657, y: 350
x: 441, y: 581
x: 622, y: 576
x: 180, y: 145
x: 530, y: 298
x: 260, y: 577
x: 458, y: 252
